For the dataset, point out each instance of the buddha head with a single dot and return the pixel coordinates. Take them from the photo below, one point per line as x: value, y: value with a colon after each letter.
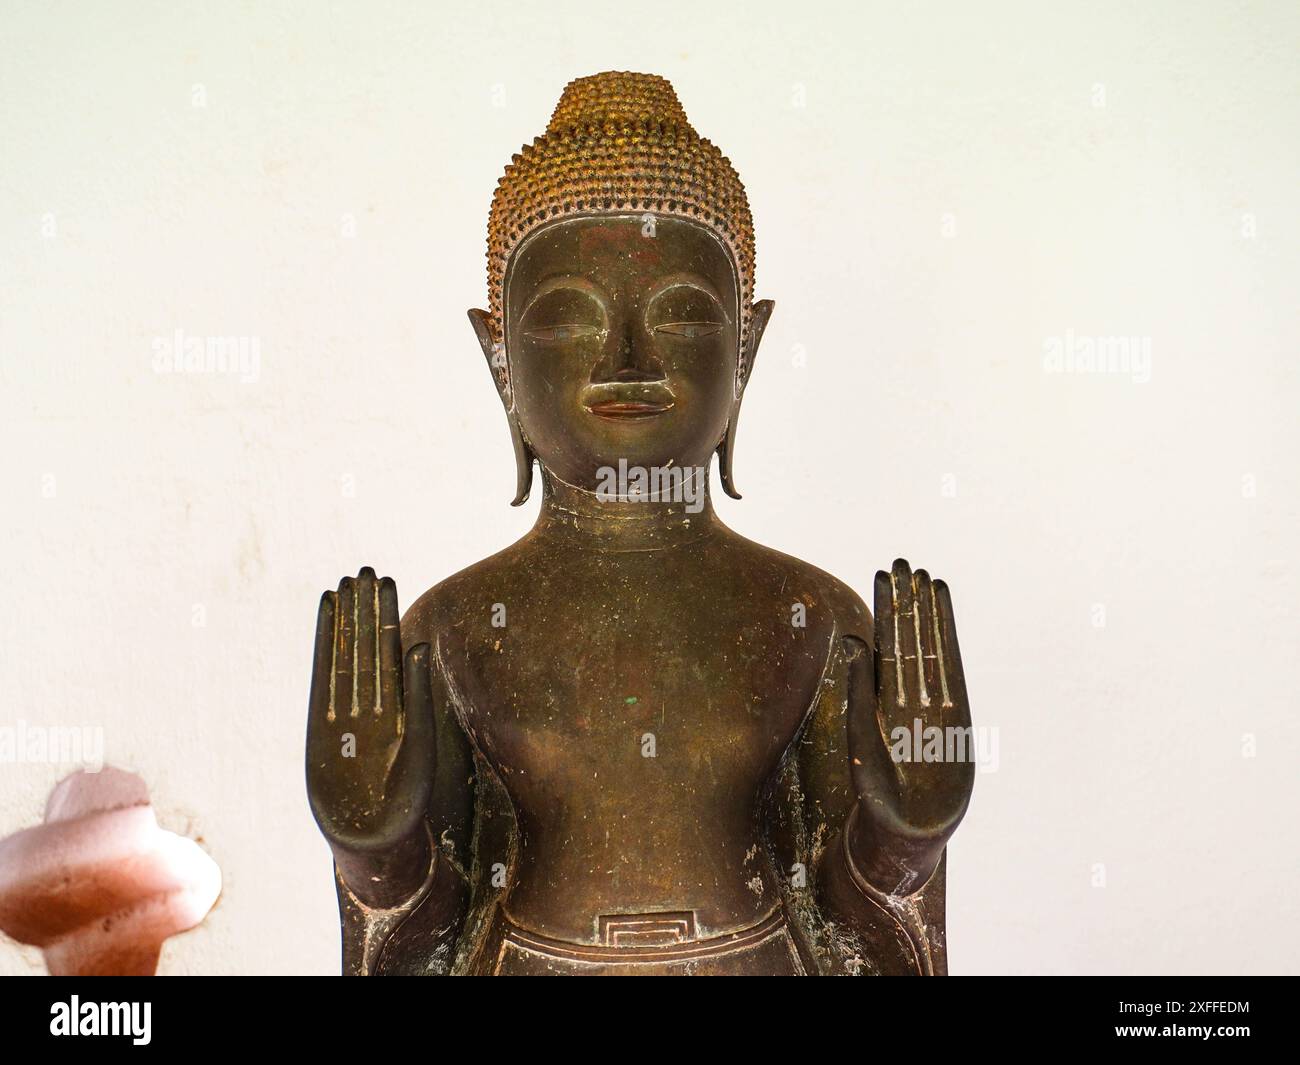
x: 621, y: 325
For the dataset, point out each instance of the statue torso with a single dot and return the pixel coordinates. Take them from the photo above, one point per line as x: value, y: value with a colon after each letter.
x: 634, y: 705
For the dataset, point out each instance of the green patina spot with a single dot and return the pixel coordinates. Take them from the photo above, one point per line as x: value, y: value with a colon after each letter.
x: 630, y: 700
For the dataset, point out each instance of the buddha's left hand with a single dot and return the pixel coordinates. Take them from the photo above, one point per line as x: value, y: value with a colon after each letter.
x: 913, y: 783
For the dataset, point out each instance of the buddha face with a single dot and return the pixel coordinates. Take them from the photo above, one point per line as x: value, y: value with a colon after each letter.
x: 622, y: 343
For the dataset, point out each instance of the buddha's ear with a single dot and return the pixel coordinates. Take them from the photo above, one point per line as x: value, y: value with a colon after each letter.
x: 496, y: 359
x: 727, y: 448
x: 762, y: 314
x: 492, y: 351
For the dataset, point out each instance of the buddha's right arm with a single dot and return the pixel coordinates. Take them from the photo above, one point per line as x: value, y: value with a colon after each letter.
x: 415, y: 928
x: 389, y: 775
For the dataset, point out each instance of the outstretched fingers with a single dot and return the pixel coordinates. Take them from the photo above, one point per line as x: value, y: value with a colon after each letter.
x: 322, y: 663
x: 906, y: 637
x: 390, y: 649
x: 367, y: 641
x: 418, y: 722
x: 345, y: 650
x: 954, y: 677
x: 928, y: 642
x: 889, y: 689
x: 874, y: 774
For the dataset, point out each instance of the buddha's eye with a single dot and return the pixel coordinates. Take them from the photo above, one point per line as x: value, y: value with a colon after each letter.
x: 550, y: 334
x: 689, y: 329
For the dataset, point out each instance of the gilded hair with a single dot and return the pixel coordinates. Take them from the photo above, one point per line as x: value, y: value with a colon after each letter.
x: 619, y: 143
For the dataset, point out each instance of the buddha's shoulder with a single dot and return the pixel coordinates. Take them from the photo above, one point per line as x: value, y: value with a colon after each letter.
x: 485, y: 582
x: 768, y: 565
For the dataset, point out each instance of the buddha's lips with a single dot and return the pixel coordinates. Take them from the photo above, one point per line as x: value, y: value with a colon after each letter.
x: 628, y: 409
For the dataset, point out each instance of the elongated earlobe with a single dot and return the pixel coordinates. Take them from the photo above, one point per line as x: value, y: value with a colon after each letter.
x: 523, y: 464
x: 725, y: 450
x: 496, y: 359
x: 727, y: 447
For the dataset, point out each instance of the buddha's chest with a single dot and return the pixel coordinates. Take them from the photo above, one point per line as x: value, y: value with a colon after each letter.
x: 578, y: 687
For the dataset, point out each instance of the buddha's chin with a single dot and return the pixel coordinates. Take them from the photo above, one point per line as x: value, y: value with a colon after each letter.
x: 631, y: 442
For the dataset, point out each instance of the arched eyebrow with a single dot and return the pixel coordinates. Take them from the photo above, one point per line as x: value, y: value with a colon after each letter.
x: 559, y: 281
x: 695, y: 281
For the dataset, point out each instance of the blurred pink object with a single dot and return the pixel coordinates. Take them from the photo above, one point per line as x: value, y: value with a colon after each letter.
x: 99, y: 886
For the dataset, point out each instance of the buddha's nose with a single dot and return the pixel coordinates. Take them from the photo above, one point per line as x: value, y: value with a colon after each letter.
x: 627, y: 359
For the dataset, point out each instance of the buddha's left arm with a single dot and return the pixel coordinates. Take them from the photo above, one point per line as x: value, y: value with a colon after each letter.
x: 869, y: 831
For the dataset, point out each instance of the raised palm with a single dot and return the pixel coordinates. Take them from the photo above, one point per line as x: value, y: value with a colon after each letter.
x: 370, y: 725
x: 911, y: 748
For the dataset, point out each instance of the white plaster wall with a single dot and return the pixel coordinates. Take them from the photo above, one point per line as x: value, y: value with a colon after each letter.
x: 166, y: 537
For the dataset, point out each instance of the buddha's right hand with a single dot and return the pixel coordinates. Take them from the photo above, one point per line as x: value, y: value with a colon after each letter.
x: 370, y: 741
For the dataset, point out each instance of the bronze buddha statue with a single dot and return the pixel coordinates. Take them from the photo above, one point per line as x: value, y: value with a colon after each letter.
x: 634, y: 742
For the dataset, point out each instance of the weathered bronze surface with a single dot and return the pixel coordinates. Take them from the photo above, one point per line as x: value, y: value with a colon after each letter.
x: 634, y: 742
